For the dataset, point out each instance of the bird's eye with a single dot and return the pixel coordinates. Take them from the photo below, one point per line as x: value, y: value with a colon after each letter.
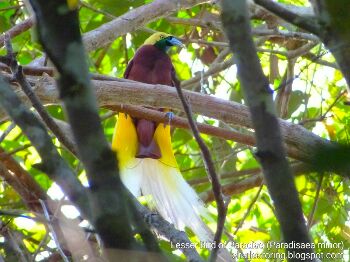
x: 162, y: 36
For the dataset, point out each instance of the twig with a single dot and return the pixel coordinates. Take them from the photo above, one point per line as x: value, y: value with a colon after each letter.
x: 254, y: 180
x: 7, y: 131
x: 53, y: 233
x: 230, y: 237
x: 248, y: 209
x: 307, y: 23
x: 247, y: 172
x: 234, y: 188
x: 167, y: 230
x: 107, y: 115
x: 88, y: 6
x: 21, y: 181
x: 17, y: 29
x: 316, y: 59
x: 26, y: 87
x: 18, y: 149
x: 20, y: 213
x: 317, y: 198
x: 40, y: 245
x: 324, y: 115
x: 11, y: 7
x: 14, y: 247
x: 214, y: 69
x: 292, y: 54
x: 40, y: 70
x: 210, y: 168
x: 216, y: 24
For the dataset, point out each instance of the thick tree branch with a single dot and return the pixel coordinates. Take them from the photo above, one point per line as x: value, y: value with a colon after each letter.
x: 27, y: 89
x: 21, y: 181
x: 159, y: 117
x: 108, y: 194
x: 270, y: 151
x: 301, y: 143
x: 133, y: 20
x: 52, y: 163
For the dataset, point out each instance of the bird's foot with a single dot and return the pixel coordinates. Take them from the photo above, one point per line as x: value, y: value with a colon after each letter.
x: 170, y: 116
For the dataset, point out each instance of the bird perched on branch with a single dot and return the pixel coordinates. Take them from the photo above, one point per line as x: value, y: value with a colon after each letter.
x: 146, y: 159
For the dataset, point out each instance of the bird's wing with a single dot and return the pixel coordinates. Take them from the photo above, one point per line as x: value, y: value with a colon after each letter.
x: 128, y: 69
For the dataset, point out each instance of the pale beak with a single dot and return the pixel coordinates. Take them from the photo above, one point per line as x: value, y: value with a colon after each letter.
x: 175, y: 41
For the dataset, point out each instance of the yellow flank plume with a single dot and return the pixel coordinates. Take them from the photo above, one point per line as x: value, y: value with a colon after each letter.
x: 163, y: 139
x: 125, y: 140
x: 155, y: 38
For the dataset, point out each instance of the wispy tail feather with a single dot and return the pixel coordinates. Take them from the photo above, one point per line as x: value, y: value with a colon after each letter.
x: 168, y: 192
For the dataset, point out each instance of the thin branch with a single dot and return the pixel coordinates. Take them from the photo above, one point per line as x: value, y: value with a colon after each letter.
x: 214, y: 68
x: 316, y: 59
x: 239, y: 249
x: 21, y: 181
x: 167, y: 230
x: 41, y: 70
x: 15, y: 251
x: 18, y: 149
x: 234, y: 188
x: 213, y: 177
x: 7, y: 131
x: 324, y: 115
x: 27, y: 89
x: 252, y: 203
x: 11, y: 7
x: 91, y: 7
x: 308, y: 23
x: 216, y: 24
x: 291, y: 54
x: 53, y: 233
x: 134, y: 19
x: 52, y: 162
x: 235, y: 174
x: 314, y: 207
x: 285, y: 34
x: 254, y: 180
x: 17, y: 29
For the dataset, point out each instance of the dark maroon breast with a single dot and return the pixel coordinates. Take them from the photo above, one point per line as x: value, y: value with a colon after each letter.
x: 152, y: 66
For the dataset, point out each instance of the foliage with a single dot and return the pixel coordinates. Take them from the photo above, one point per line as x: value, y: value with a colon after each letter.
x: 316, y: 102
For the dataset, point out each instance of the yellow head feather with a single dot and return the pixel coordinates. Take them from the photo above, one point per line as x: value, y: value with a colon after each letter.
x: 155, y: 38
